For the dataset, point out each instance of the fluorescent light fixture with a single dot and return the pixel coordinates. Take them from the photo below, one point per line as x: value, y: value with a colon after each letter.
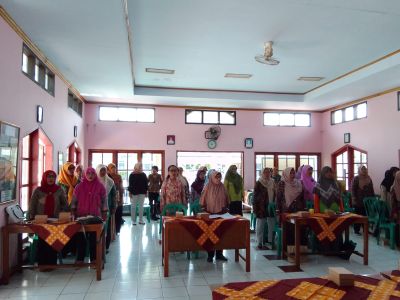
x: 307, y: 78
x: 91, y: 95
x: 160, y: 71
x: 240, y: 76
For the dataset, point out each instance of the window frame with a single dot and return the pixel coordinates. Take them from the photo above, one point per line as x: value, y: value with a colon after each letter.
x: 342, y: 110
x: 208, y: 110
x: 287, y: 112
x: 43, y: 69
x: 75, y: 103
x: 118, y: 107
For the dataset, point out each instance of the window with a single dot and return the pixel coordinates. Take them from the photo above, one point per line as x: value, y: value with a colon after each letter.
x: 126, y: 114
x: 36, y: 70
x: 75, y: 103
x: 287, y: 119
x: 355, y: 112
x: 346, y: 162
x: 285, y: 160
x: 210, y: 117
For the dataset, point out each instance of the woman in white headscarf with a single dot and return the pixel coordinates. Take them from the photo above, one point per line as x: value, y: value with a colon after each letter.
x: 138, y: 185
x: 111, y: 193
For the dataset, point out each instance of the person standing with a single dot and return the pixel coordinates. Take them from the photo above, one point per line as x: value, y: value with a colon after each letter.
x: 264, y: 193
x: 137, y: 188
x: 361, y: 187
x: 386, y: 185
x: 47, y: 199
x: 308, y: 182
x: 78, y: 172
x: 67, y: 180
x: 119, y: 188
x: 275, y: 175
x: 327, y: 194
x: 234, y: 185
x: 155, y: 183
x: 214, y: 200
x: 197, y: 186
x: 90, y: 198
x: 185, y: 184
x: 111, y: 198
x: 172, y: 190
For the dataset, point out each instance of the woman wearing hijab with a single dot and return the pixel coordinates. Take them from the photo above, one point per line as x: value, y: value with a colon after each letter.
x: 308, y: 182
x: 155, y: 182
x: 67, y: 180
x: 138, y: 185
x: 111, y: 193
x: 78, y: 172
x: 327, y: 194
x: 185, y: 183
x: 172, y: 189
x: 395, y: 197
x: 47, y: 199
x: 197, y: 186
x: 214, y: 200
x: 112, y: 172
x: 299, y: 172
x: 361, y: 187
x: 264, y: 192
x: 234, y: 185
x: 387, y: 184
x: 290, y: 199
x: 90, y: 198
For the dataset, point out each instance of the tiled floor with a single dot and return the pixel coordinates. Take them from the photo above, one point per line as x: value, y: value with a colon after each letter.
x: 134, y: 271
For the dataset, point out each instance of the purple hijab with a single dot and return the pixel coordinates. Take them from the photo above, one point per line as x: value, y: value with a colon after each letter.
x: 89, y: 195
x: 308, y: 182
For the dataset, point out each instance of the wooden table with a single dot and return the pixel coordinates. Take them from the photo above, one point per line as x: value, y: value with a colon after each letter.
x: 21, y: 228
x: 300, y: 222
x: 175, y: 238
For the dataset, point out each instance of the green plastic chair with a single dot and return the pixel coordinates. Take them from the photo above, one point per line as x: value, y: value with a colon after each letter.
x: 252, y: 215
x: 277, y: 230
x: 146, y: 211
x: 33, y: 249
x: 170, y: 210
x: 385, y: 223
x: 309, y: 204
x: 346, y: 197
x: 195, y: 208
x: 372, y: 211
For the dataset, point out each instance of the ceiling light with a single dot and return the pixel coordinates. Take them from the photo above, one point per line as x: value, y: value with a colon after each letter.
x: 91, y: 95
x: 234, y: 75
x: 305, y: 78
x: 160, y: 71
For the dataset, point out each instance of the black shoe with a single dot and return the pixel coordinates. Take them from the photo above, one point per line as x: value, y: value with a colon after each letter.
x: 221, y: 257
x: 210, y: 259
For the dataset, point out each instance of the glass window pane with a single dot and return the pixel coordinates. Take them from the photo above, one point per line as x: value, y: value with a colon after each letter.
x: 271, y: 119
x: 357, y: 156
x: 193, y: 116
x: 97, y: 159
x: 210, y: 117
x: 36, y: 73
x: 108, y: 113
x: 286, y: 119
x: 132, y: 160
x: 339, y: 159
x: 124, y: 175
x: 364, y: 158
x: 145, y: 115
x: 345, y: 157
x: 122, y: 161
x: 107, y: 158
x: 25, y: 147
x: 349, y: 113
x: 361, y: 110
x: 25, y: 172
x: 24, y: 198
x: 127, y: 114
x: 226, y: 117
x: 338, y: 117
x: 291, y: 161
x: 24, y: 63
x: 302, y: 119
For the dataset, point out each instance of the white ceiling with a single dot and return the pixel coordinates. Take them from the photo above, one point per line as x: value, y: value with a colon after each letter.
x: 203, y: 40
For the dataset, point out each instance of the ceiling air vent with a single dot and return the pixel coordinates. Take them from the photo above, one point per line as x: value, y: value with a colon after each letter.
x: 239, y: 76
x: 160, y: 71
x: 308, y: 78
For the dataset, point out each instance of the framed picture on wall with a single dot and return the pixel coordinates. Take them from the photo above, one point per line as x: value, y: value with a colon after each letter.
x: 170, y: 139
x: 398, y: 101
x: 347, y: 138
x: 9, y: 142
x: 248, y: 143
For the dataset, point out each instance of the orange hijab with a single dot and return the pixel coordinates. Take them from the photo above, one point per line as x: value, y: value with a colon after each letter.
x: 68, y: 180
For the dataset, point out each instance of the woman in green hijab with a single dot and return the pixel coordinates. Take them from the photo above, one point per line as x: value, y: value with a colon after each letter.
x: 234, y: 185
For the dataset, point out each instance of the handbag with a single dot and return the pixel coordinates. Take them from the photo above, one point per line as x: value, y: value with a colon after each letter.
x: 15, y: 214
x: 89, y: 220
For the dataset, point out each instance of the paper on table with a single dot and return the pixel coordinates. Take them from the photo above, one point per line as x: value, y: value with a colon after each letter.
x: 224, y: 216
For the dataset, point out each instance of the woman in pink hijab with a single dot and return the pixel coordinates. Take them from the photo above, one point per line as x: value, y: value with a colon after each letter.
x: 308, y: 182
x: 90, y: 198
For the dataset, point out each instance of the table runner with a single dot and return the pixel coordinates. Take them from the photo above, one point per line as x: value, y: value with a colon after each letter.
x: 309, y: 288
x: 56, y: 235
x: 207, y: 233
x: 326, y: 227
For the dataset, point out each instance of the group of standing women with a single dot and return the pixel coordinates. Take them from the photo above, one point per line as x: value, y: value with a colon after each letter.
x: 96, y: 193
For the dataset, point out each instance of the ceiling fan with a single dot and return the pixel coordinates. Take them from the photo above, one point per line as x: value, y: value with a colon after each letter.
x: 267, y: 58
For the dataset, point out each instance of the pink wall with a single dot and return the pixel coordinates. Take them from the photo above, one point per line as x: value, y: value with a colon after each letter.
x: 378, y: 134
x: 189, y: 137
x: 20, y: 95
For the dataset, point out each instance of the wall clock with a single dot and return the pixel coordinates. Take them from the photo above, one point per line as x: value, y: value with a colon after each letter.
x: 212, y: 144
